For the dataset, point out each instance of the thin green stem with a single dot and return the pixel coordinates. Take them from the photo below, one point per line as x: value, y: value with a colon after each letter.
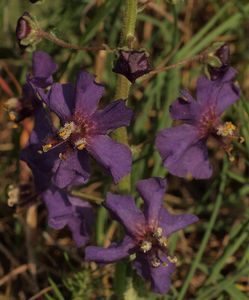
x: 123, y: 84
x: 205, y: 239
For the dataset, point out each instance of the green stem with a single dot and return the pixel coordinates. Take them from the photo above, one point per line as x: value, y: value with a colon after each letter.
x: 205, y: 239
x: 123, y: 84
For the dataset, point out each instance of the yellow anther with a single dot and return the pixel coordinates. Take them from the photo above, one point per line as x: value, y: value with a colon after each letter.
x: 155, y: 262
x: 227, y: 129
x: 12, y: 116
x: 47, y: 147
x: 173, y: 259
x: 158, y: 232
x: 146, y: 246
x: 80, y: 144
x: 163, y: 242
x: 66, y: 130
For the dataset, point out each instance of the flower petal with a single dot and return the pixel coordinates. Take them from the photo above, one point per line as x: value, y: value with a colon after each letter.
x: 61, y: 100
x: 152, y: 191
x: 113, y: 116
x: 43, y: 67
x: 158, y: 276
x: 110, y: 254
x: 171, y: 223
x: 73, y: 212
x: 114, y: 157
x: 123, y: 209
x: 185, y: 108
x: 88, y: 93
x: 74, y: 169
x: 220, y: 93
x: 183, y: 153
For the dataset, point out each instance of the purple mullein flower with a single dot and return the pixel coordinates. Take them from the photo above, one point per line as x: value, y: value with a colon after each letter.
x: 43, y: 68
x: 132, y: 64
x: 183, y: 148
x: 65, y: 210
x: 147, y: 233
x: 84, y: 130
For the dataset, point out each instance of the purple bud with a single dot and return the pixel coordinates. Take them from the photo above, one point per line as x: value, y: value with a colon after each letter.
x: 132, y: 64
x: 23, y: 29
x: 223, y: 56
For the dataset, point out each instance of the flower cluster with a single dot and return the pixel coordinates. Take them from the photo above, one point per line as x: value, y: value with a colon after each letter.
x: 58, y: 154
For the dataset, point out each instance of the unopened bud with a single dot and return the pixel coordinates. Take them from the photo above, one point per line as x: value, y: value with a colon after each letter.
x: 132, y: 64
x: 27, y: 32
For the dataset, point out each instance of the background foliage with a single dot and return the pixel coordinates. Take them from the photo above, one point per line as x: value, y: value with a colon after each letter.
x: 37, y: 262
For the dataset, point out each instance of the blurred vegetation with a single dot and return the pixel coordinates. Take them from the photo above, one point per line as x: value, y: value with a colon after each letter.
x: 213, y: 254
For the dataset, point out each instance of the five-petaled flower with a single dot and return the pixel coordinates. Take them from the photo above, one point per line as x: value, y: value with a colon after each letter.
x: 84, y: 129
x: 183, y: 148
x: 147, y: 233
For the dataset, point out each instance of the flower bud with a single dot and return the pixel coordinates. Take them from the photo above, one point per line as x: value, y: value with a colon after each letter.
x: 132, y: 64
x: 27, y: 32
x: 217, y: 60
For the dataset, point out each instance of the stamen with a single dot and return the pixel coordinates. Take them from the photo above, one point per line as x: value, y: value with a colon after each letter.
x: 47, y: 147
x: 155, y: 262
x: 158, y: 233
x: 226, y: 130
x: 163, y: 242
x: 80, y: 144
x: 173, y: 259
x: 146, y: 246
x: 66, y: 130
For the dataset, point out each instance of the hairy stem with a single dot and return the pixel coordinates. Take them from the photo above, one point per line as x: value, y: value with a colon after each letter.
x: 123, y: 84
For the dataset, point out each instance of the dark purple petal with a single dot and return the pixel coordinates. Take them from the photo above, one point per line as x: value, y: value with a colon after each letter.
x: 114, y: 157
x: 172, y: 223
x: 219, y: 93
x: 43, y: 67
x: 61, y: 100
x: 66, y: 210
x: 87, y: 94
x: 111, y: 254
x: 74, y: 169
x: 113, y: 116
x: 158, y: 276
x: 185, y: 108
x: 123, y: 209
x: 183, y: 153
x: 152, y: 191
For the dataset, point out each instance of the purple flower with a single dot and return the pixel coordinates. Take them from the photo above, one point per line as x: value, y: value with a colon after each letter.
x: 132, y: 64
x: 183, y: 148
x: 84, y: 130
x: 147, y: 233
x: 43, y: 68
x: 65, y: 210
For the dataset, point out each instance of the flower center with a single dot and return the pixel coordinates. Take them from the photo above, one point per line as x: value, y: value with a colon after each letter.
x: 154, y: 244
x: 66, y: 131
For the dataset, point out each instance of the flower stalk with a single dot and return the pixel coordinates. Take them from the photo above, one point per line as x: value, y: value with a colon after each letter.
x: 123, y: 84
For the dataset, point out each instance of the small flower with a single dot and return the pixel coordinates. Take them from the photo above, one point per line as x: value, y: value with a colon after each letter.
x: 43, y: 67
x: 84, y: 130
x: 218, y: 60
x: 183, y: 148
x: 65, y: 210
x: 147, y: 233
x: 27, y: 32
x: 132, y: 64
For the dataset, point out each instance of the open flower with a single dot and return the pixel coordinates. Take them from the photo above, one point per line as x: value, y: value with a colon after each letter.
x: 84, y: 130
x: 147, y: 233
x: 183, y: 148
x: 65, y: 210
x: 43, y: 68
